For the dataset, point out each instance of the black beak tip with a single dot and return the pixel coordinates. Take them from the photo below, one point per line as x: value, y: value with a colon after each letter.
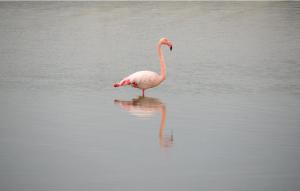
x: 171, y: 47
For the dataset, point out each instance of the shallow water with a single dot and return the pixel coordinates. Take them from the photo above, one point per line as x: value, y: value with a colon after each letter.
x: 226, y: 118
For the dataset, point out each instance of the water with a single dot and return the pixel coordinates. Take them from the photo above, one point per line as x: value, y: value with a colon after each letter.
x: 226, y: 118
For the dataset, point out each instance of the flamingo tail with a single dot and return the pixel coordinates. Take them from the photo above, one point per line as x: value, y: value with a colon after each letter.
x: 122, y: 83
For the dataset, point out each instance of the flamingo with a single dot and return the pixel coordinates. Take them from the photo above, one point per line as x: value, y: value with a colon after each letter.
x: 148, y: 79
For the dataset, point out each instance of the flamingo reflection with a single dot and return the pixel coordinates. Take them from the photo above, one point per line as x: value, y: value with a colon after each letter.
x: 147, y: 107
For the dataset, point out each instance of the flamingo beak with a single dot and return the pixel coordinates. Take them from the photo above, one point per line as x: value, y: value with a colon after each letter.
x: 171, y: 47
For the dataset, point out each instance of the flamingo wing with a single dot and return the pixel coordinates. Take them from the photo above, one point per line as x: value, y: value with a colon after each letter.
x: 141, y: 80
x: 145, y: 79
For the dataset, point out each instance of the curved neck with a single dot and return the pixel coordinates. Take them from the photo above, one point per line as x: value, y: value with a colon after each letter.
x: 162, y: 62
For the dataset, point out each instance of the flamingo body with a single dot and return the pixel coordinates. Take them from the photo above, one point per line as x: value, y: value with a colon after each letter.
x: 142, y: 80
x: 148, y: 79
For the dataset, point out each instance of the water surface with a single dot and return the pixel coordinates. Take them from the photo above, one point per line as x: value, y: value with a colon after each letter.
x: 226, y: 118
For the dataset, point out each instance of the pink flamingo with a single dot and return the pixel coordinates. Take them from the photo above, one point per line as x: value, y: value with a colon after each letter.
x: 148, y: 79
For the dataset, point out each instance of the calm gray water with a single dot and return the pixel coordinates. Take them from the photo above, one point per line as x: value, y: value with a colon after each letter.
x: 226, y: 118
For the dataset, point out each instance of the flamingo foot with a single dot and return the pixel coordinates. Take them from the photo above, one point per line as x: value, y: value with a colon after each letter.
x: 122, y: 83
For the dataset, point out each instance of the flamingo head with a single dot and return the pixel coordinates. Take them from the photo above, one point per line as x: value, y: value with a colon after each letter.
x: 166, y: 42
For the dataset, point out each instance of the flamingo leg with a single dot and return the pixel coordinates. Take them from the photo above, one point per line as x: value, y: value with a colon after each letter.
x: 143, y: 93
x: 134, y: 85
